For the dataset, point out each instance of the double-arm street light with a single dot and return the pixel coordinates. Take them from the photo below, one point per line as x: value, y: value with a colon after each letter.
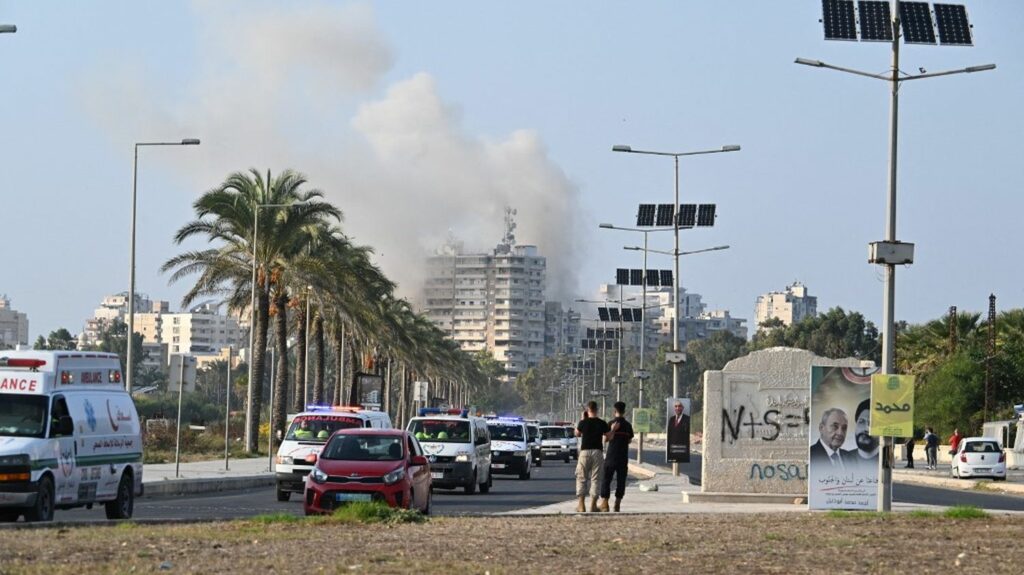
x: 130, y: 359
x: 675, y: 227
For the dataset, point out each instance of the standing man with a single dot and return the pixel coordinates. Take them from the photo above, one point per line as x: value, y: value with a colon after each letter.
x: 616, y: 461
x: 931, y: 448
x: 591, y: 430
x: 954, y: 441
x: 677, y: 433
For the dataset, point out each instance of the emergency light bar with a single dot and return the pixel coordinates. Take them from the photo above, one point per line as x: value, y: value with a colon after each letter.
x: 324, y: 407
x: 510, y: 419
x: 32, y: 364
x: 424, y: 411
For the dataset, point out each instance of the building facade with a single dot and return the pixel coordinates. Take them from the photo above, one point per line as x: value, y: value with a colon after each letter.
x: 791, y: 306
x: 13, y: 325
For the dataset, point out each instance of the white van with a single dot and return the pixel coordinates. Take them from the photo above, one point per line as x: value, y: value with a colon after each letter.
x: 308, y: 432
x: 458, y: 447
x: 69, y: 435
x: 511, y: 446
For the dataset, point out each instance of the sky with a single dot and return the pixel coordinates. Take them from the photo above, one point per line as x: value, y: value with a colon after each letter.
x: 422, y: 120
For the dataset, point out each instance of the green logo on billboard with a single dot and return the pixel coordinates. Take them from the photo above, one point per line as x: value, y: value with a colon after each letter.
x: 893, y: 384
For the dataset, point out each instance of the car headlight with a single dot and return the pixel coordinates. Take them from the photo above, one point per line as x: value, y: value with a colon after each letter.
x: 462, y: 458
x: 395, y: 476
x: 19, y: 460
x: 519, y: 453
x: 284, y: 460
x: 318, y: 476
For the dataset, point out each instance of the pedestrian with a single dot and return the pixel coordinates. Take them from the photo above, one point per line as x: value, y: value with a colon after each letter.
x: 591, y: 430
x: 908, y: 452
x: 931, y: 447
x: 616, y: 461
x: 954, y: 441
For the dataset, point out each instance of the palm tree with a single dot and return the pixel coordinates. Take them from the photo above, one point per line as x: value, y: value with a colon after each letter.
x: 226, y: 215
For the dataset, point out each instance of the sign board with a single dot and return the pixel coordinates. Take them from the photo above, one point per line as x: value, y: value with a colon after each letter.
x: 677, y: 429
x: 675, y: 357
x: 642, y: 420
x: 892, y: 405
x: 419, y: 391
x: 175, y: 376
x: 370, y: 389
x: 641, y: 374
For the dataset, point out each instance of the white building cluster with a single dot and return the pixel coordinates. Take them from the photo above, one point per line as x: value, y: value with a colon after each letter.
x: 791, y: 306
x: 13, y: 325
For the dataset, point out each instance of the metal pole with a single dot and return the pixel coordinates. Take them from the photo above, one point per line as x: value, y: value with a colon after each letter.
x: 177, y: 440
x: 131, y: 277
x: 677, y: 286
x: 889, y: 295
x: 643, y: 339
x: 305, y: 376
x: 618, y: 361
x: 270, y: 430
x: 249, y: 403
x: 227, y: 412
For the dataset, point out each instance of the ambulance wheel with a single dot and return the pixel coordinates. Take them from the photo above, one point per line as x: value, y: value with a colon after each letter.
x: 485, y: 487
x: 525, y: 475
x: 9, y: 516
x: 43, y: 509
x: 123, y: 506
x: 565, y: 459
x: 539, y: 461
x: 471, y: 487
x: 283, y: 495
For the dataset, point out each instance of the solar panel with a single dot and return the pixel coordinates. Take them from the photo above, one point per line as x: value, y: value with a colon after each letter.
x: 645, y: 217
x: 664, y: 215
x: 613, y: 313
x: 687, y: 215
x: 627, y: 314
x: 636, y: 277
x: 838, y: 20
x: 875, y: 20
x: 917, y: 23
x: 622, y: 277
x: 652, y: 278
x: 706, y: 215
x: 666, y: 278
x: 954, y: 30
x: 590, y: 333
x: 638, y: 314
x: 602, y: 313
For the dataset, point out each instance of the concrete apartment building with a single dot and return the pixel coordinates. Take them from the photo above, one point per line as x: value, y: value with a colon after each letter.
x: 790, y: 306
x: 561, y: 329
x: 490, y: 301
x: 13, y: 325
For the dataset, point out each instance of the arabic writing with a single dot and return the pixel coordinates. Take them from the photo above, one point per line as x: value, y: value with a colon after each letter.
x: 891, y: 408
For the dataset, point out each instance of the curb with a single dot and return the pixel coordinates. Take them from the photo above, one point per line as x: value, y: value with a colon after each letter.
x: 173, y: 487
x: 960, y: 484
x: 641, y: 472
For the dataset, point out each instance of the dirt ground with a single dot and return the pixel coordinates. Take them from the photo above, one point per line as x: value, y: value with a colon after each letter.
x: 789, y: 543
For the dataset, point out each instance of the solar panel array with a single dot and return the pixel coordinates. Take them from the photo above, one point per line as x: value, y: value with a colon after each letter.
x: 635, y: 277
x: 622, y: 277
x: 688, y: 215
x: 645, y: 217
x: 706, y: 215
x: 627, y: 314
x: 597, y: 344
x: 666, y: 278
x: 873, y: 18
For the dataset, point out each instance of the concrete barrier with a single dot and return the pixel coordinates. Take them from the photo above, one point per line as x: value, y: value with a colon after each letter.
x: 174, y: 487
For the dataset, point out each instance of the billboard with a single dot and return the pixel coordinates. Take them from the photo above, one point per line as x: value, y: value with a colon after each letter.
x: 370, y: 388
x: 677, y: 429
x: 892, y: 405
x: 843, y: 455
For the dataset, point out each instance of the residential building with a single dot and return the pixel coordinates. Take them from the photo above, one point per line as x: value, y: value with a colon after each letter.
x: 561, y: 329
x: 790, y: 306
x: 115, y: 307
x: 13, y: 325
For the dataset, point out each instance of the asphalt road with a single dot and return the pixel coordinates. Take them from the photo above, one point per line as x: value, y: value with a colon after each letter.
x: 552, y: 483
x: 901, y: 492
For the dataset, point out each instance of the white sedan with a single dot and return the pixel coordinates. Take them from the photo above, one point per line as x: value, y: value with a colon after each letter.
x: 979, y: 457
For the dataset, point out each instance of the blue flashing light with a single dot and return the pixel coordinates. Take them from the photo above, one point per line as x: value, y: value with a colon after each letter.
x: 322, y: 407
x: 319, y: 407
x: 425, y: 411
x: 505, y: 418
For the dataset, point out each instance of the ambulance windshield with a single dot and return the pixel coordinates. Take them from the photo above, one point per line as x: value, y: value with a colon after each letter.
x: 22, y: 415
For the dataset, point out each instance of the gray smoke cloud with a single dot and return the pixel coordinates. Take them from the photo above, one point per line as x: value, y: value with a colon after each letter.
x: 304, y: 88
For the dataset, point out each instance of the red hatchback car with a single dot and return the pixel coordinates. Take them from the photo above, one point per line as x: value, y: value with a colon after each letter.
x: 364, y: 464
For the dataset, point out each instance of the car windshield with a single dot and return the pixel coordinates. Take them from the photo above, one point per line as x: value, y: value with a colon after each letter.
x: 533, y: 431
x: 442, y: 430
x: 363, y: 448
x: 552, y: 433
x: 569, y: 432
x: 982, y: 447
x: 22, y: 415
x: 317, y: 428
x: 505, y: 432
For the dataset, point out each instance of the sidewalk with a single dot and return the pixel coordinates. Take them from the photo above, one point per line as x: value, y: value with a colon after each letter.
x: 158, y: 479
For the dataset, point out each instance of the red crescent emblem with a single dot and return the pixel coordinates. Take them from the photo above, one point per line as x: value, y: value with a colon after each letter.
x: 113, y: 422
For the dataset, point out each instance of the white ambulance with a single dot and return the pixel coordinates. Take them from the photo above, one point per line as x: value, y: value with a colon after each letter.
x: 458, y: 447
x: 69, y: 435
x: 308, y: 432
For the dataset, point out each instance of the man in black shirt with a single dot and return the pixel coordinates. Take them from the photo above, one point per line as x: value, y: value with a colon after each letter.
x: 591, y: 430
x: 616, y: 461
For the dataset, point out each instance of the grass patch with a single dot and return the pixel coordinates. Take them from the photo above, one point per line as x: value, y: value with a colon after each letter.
x: 272, y: 518
x: 922, y: 514
x: 965, y: 512
x: 772, y: 537
x: 370, y: 512
x: 844, y: 514
x: 982, y: 486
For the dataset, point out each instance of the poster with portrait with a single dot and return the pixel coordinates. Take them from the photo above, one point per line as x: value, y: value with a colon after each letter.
x: 677, y: 429
x: 843, y: 455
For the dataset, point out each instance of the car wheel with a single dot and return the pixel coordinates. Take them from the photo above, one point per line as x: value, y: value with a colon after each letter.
x: 124, y: 504
x: 283, y: 495
x: 426, y: 509
x: 524, y: 475
x: 43, y: 509
x: 540, y: 462
x: 471, y: 488
x: 485, y: 487
x: 999, y: 478
x: 565, y: 459
x: 9, y: 516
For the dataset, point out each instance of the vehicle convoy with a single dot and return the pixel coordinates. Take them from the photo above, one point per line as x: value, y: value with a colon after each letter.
x: 554, y: 444
x: 570, y: 434
x: 69, y: 435
x: 458, y: 447
x: 979, y: 457
x: 384, y: 465
x: 510, y: 446
x: 306, y: 436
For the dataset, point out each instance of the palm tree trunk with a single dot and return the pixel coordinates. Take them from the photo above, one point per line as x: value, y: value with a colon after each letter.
x: 299, y: 393
x: 353, y: 396
x: 385, y: 389
x: 339, y: 354
x: 318, y: 366
x: 254, y: 403
x: 403, y: 388
x: 280, y: 405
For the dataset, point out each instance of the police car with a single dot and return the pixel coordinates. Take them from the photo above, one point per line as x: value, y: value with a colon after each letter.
x: 511, y: 450
x: 458, y: 447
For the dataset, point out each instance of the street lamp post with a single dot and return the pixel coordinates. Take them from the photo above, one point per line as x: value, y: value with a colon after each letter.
x: 305, y: 376
x: 618, y: 365
x: 893, y: 78
x: 675, y: 227
x: 130, y: 359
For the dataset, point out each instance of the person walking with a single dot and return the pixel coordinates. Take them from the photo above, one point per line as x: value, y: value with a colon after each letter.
x: 616, y: 460
x: 908, y: 452
x: 954, y: 441
x: 931, y: 448
x: 591, y: 430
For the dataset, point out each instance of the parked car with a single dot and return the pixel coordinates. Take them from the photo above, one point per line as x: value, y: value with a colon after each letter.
x: 364, y: 464
x: 979, y: 457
